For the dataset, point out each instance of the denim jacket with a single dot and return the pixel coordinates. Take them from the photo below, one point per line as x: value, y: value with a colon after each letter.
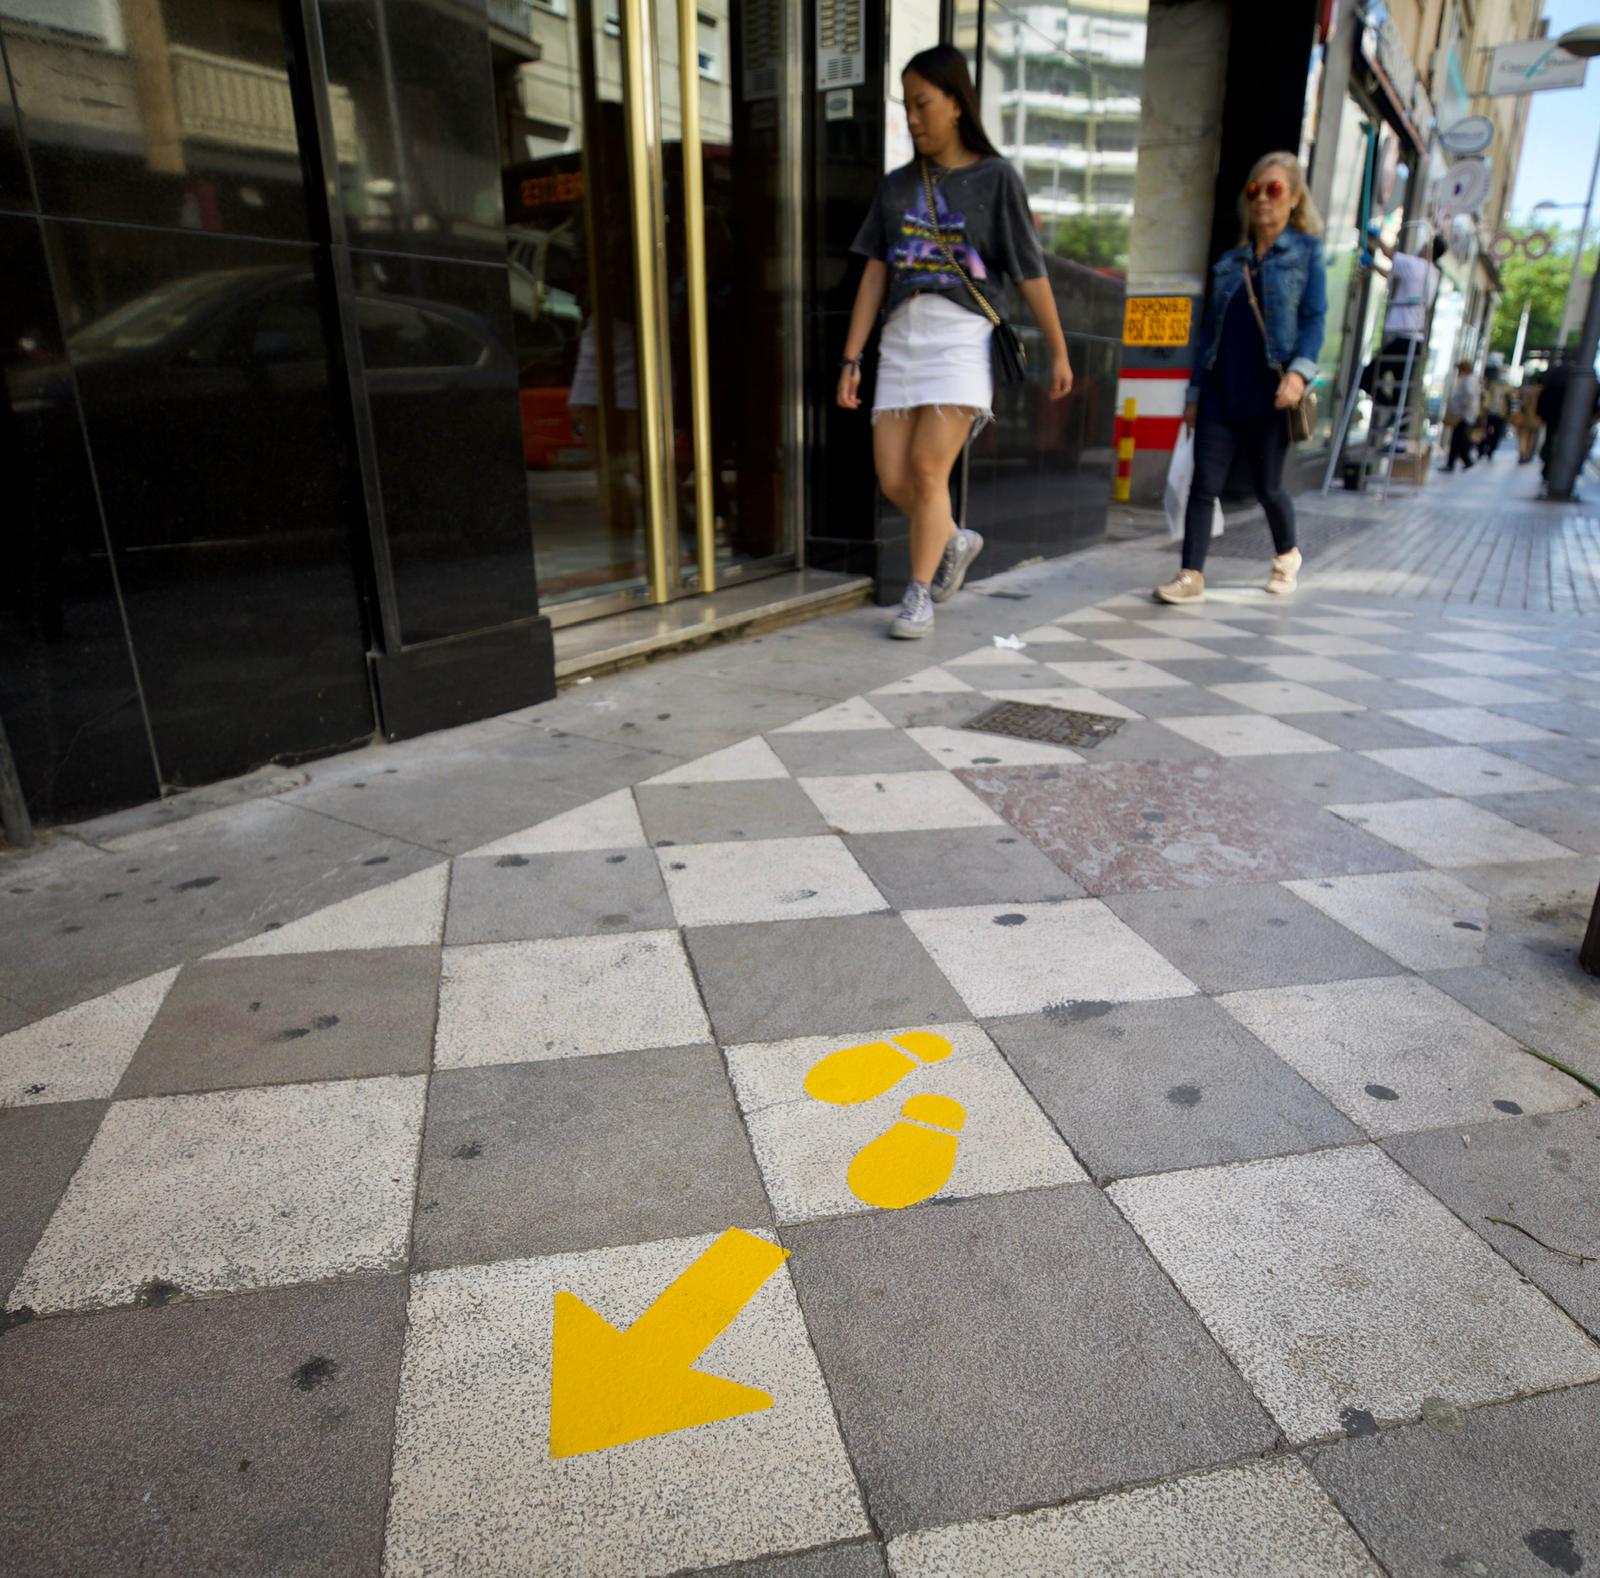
x: 1294, y: 302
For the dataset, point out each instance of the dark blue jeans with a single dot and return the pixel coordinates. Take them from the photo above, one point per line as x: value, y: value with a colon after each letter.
x: 1265, y: 442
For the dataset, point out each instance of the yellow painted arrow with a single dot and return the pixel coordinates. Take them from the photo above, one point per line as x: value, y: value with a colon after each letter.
x: 608, y: 1387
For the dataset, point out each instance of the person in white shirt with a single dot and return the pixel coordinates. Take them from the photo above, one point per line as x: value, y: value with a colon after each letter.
x: 1413, y: 287
x: 1462, y: 410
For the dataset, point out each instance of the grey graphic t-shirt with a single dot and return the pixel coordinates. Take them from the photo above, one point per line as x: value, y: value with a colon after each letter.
x: 982, y: 212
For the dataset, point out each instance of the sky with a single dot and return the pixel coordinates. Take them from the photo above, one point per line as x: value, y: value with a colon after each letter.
x: 1563, y: 128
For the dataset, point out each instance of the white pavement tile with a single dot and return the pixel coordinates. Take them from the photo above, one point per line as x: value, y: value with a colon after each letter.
x: 1450, y: 832
x: 1237, y: 602
x: 1127, y: 600
x: 1464, y: 770
x: 1332, y: 646
x: 1127, y: 674
x: 1246, y: 734
x: 1398, y: 1055
x: 1024, y: 958
x: 1048, y: 635
x: 1468, y: 692
x: 1310, y: 670
x: 857, y: 713
x: 1281, y: 696
x: 1365, y: 613
x: 1196, y: 627
x: 1470, y: 725
x: 745, y: 762
x: 1267, y: 1520
x: 1157, y: 649
x: 926, y: 682
x: 765, y: 880
x: 1487, y: 641
x: 234, y: 1189
x: 804, y: 1147
x: 475, y: 1490
x: 521, y: 1002
x: 400, y: 914
x: 897, y: 802
x: 965, y: 748
x: 1348, y: 625
x: 991, y: 657
x: 1486, y: 665
x: 82, y: 1052
x: 611, y: 822
x: 1068, y: 699
x: 1335, y: 1282
x: 1421, y: 919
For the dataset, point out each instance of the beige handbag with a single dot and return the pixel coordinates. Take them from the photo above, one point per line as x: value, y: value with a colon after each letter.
x: 1301, y: 416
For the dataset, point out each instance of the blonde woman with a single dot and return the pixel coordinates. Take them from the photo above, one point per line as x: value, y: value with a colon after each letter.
x: 1259, y: 341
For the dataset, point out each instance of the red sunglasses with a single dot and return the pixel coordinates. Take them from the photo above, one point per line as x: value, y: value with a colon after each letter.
x: 1273, y: 189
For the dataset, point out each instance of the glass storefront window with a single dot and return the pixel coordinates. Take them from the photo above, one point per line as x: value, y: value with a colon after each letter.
x: 1341, y: 250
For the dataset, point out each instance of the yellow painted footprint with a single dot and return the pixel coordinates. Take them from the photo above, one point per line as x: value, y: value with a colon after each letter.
x: 860, y: 1073
x: 913, y: 1160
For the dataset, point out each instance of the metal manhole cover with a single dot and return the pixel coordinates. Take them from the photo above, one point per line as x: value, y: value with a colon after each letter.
x: 1020, y: 720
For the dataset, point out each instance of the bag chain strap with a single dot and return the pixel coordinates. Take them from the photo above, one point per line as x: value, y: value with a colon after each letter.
x: 950, y: 257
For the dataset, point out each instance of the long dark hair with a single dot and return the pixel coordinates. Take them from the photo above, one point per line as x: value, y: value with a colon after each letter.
x: 946, y: 68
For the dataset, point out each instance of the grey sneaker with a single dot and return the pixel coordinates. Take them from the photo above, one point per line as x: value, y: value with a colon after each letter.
x: 964, y: 547
x: 915, y: 615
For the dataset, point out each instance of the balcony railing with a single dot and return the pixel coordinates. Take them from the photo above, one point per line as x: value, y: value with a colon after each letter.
x: 239, y: 105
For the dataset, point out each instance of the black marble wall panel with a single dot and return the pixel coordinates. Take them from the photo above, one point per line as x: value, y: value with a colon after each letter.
x: 16, y: 194
x: 68, y: 695
x: 202, y: 370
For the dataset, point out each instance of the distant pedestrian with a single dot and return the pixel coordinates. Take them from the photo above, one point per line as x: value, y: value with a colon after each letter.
x: 1461, y: 414
x: 1528, y: 416
x: 1259, y: 340
x: 1496, y: 409
x: 942, y: 231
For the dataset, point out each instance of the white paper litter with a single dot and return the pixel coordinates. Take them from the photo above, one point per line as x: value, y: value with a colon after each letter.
x: 1011, y: 643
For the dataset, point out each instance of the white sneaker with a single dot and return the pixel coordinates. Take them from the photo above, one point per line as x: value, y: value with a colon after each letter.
x: 915, y: 615
x: 963, y: 548
x: 1187, y: 586
x: 1285, y: 571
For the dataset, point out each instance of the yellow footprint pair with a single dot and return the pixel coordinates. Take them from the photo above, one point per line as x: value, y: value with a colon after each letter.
x: 914, y: 1159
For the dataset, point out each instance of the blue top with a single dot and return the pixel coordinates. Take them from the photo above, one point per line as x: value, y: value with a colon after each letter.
x: 1241, y: 384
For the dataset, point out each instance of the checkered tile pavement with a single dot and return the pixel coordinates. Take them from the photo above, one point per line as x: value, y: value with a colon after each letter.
x: 1239, y: 999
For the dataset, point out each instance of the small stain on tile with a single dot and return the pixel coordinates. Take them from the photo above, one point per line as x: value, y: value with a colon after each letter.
x: 512, y: 860
x: 316, y: 1371
x: 1381, y: 1093
x: 1184, y: 1095
x: 1358, y: 1422
x: 1508, y: 1106
x: 468, y: 1152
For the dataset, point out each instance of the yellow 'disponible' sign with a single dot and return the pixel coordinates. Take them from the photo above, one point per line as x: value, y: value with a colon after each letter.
x: 1157, y: 320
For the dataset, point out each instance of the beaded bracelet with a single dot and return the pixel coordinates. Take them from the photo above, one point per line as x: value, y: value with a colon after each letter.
x: 850, y: 361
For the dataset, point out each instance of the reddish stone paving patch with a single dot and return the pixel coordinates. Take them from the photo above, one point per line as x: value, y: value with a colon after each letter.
x: 1138, y: 827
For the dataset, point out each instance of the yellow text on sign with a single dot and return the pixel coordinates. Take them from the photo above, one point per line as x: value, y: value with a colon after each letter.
x: 1157, y: 320
x: 608, y: 1386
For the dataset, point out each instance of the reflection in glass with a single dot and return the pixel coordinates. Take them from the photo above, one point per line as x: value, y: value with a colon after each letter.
x: 161, y: 112
x: 1340, y: 252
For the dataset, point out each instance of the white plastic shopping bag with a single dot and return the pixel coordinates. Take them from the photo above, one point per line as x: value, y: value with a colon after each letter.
x: 1180, y: 473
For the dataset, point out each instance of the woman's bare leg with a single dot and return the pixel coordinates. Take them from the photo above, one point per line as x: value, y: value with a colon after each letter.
x: 938, y: 436
x: 891, y: 453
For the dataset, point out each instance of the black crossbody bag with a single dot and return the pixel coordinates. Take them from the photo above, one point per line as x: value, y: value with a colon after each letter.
x: 1010, y: 358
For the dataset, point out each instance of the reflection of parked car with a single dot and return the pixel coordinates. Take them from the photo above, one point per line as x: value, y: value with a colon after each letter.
x: 548, y: 321
x: 168, y: 379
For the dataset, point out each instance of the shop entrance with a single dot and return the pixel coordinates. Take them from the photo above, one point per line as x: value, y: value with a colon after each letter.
x: 652, y: 230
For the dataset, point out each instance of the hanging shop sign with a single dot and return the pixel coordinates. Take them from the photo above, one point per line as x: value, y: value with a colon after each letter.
x: 1532, y: 66
x: 1469, y: 136
x: 1384, y: 49
x: 1465, y: 185
x: 1535, y: 245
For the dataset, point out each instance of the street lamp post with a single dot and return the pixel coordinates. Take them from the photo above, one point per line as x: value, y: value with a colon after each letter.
x: 1567, y: 456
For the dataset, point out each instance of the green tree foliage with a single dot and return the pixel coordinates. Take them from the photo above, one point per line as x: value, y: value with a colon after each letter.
x: 1095, y: 240
x: 1541, y: 285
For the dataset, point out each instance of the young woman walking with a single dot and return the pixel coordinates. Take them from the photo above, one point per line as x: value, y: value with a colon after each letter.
x: 942, y: 230
x: 1259, y: 341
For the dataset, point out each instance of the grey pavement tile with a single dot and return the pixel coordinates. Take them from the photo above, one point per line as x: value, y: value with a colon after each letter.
x: 1270, y: 1520
x: 1496, y: 1491
x: 1467, y: 690
x: 1397, y: 1054
x: 1364, y: 731
x: 232, y: 1190
x: 1142, y: 741
x: 1010, y: 1351
x: 1337, y: 1284
x: 539, y: 1158
x: 205, y: 885
x: 920, y: 711
x: 407, y: 913
x: 786, y: 979
x: 1379, y: 694
x: 746, y: 762
x: 1395, y: 665
x: 716, y: 813
x: 475, y: 1489
x: 245, y: 1435
x: 1491, y: 665
x: 1426, y: 920
x: 852, y: 716
x: 13, y: 1016
x: 611, y: 822
x: 79, y: 1052
x: 1560, y: 717
x: 1230, y: 938
x: 1538, y: 912
x: 1448, y: 832
x: 964, y: 865
x: 40, y: 1148
x: 554, y: 997
x: 577, y: 893
x: 1195, y: 700
x: 1548, y: 1004
x: 288, y: 1018
x: 1280, y: 697
x: 1540, y: 1172
x: 1116, y: 674
x: 952, y: 748
x: 1570, y: 817
x: 863, y: 1559
x: 1576, y: 761
x: 1332, y: 778
x: 1142, y: 826
x: 1472, y: 725
x: 834, y: 752
x: 1152, y: 1087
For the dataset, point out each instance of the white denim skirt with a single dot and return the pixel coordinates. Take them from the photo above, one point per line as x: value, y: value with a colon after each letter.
x: 935, y: 353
